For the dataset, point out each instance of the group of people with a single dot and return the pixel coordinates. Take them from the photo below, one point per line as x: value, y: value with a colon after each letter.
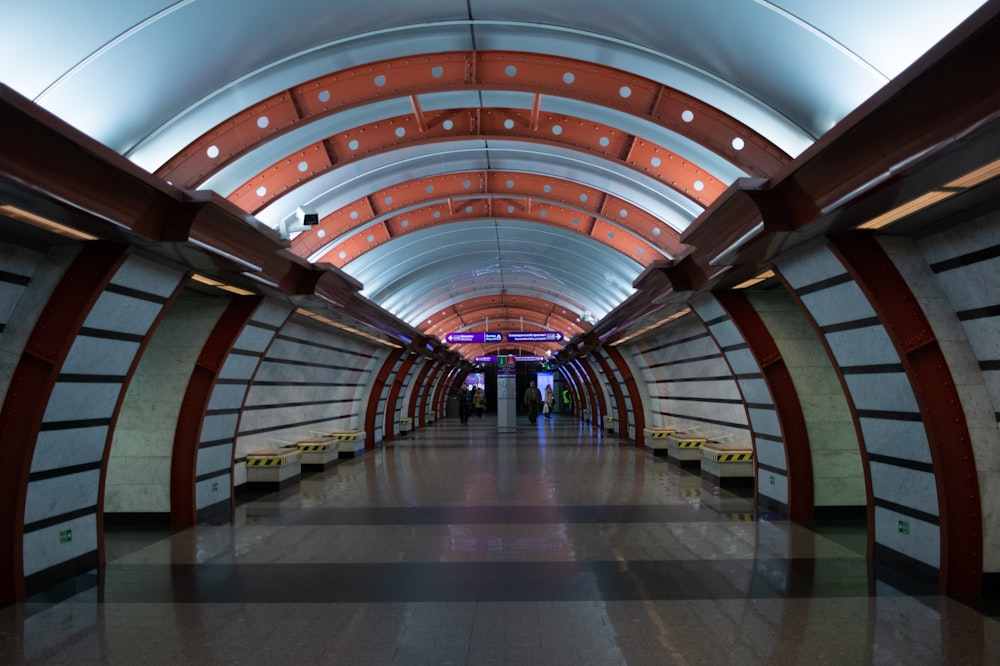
x: 470, y: 401
x: 536, y: 404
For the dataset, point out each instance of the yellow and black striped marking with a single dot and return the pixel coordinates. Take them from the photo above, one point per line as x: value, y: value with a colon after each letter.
x: 265, y: 462
x: 731, y: 457
x: 659, y: 434
x: 689, y: 443
x: 742, y: 517
x: 690, y: 492
x: 344, y: 437
x: 314, y: 447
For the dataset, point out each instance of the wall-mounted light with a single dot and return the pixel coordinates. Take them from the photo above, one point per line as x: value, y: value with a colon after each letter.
x: 766, y: 275
x: 45, y: 223
x: 641, y: 331
x: 203, y: 279
x: 345, y: 327
x: 960, y: 184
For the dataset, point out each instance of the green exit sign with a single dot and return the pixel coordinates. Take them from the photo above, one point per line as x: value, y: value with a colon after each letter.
x: 772, y: 479
x: 65, y: 536
x: 904, y: 527
x: 215, y: 486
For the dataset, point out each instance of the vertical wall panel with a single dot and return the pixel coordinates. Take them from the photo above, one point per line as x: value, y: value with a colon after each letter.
x: 690, y: 383
x: 838, y: 474
x: 310, y: 379
x: 217, y: 438
x: 881, y: 398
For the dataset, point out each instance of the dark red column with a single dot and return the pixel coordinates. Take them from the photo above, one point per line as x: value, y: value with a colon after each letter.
x: 959, y: 503
x: 30, y: 389
x: 184, y: 459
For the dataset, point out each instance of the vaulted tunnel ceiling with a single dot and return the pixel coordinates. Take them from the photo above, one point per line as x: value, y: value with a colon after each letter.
x: 483, y: 163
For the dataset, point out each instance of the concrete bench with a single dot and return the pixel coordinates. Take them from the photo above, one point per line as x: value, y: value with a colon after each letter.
x: 727, y: 460
x: 278, y: 466
x: 655, y: 439
x: 346, y: 443
x: 318, y: 451
x: 684, y: 447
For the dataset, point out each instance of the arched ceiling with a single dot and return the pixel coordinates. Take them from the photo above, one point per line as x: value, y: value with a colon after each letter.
x: 474, y: 163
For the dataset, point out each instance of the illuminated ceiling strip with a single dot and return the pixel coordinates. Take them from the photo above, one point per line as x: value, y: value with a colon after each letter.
x: 755, y: 280
x: 968, y: 181
x: 345, y: 327
x: 44, y: 223
x: 198, y: 277
x: 662, y: 322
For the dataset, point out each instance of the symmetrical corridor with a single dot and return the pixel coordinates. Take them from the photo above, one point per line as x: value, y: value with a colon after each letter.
x: 458, y: 545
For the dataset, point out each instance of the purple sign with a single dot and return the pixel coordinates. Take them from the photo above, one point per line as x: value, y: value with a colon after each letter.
x: 517, y: 359
x: 535, y: 336
x: 472, y: 336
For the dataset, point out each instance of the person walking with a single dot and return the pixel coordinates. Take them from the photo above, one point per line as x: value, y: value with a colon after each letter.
x: 532, y: 402
x: 550, y: 402
x: 567, y: 400
x: 464, y: 404
x: 478, y: 401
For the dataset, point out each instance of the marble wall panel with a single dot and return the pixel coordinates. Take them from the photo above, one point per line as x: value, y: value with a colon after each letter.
x: 908, y: 535
x: 862, y: 346
x: 914, y: 489
x: 55, y: 449
x: 57, y: 496
x: 213, y: 459
x: 47, y: 547
x: 217, y: 427
x: 837, y: 304
x: 110, y: 357
x: 882, y: 391
x: 208, y: 492
x: 773, y: 485
x: 239, y: 366
x: 81, y: 401
x: 227, y: 396
x: 122, y: 313
x: 765, y: 422
x: 755, y: 391
x: 742, y: 362
x: 906, y: 440
x: 147, y: 276
x: 770, y: 453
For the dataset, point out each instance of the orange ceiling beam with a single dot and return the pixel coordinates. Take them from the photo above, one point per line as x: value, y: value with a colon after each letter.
x: 476, y: 70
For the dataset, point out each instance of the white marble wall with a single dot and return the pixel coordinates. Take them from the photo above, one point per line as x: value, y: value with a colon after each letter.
x: 903, y: 487
x: 66, y: 467
x: 616, y: 378
x: 402, y: 406
x: 217, y: 439
x: 312, y: 378
x: 139, y: 469
x: 29, y: 279
x: 958, y: 273
x: 690, y: 383
x: 838, y: 477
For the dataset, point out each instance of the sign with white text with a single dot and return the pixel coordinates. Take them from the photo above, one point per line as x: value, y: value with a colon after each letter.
x: 469, y: 337
x: 535, y: 336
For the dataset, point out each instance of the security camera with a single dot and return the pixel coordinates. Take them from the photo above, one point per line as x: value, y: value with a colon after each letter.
x: 306, y: 216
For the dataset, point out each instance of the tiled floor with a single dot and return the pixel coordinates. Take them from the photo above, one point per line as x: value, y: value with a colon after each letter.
x: 557, y: 545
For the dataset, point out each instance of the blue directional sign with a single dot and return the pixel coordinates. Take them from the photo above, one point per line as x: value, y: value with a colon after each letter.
x: 535, y: 336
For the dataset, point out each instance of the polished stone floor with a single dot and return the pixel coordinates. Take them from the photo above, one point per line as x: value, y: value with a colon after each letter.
x: 458, y: 545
